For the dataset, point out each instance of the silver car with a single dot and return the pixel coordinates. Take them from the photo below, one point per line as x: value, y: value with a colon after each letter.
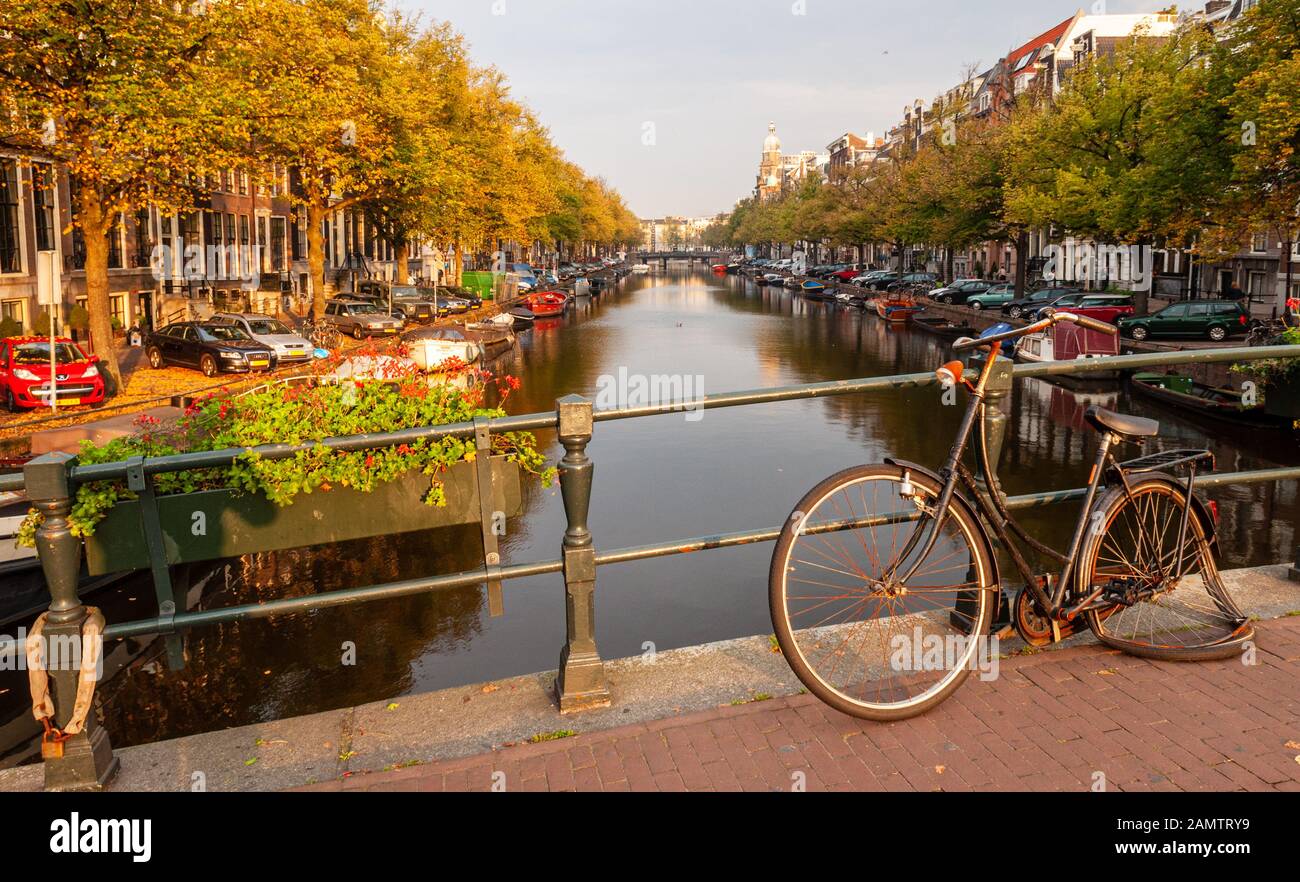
x: 361, y: 320
x: 286, y: 346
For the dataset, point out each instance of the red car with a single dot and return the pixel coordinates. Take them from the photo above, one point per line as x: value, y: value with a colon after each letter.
x: 1103, y: 307
x: 25, y: 373
x: 847, y: 275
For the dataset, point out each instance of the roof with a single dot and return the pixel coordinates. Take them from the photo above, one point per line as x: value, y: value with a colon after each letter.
x: 1051, y: 36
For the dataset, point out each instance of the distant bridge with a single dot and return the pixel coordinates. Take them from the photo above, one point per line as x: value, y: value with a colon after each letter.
x: 689, y: 256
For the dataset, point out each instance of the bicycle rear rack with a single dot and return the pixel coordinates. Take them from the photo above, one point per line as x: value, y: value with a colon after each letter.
x: 1168, y: 460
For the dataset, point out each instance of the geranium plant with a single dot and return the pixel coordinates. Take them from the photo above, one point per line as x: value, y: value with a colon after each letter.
x: 1274, y: 371
x: 300, y: 415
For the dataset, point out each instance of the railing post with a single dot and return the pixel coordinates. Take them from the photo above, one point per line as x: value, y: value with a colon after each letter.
x: 87, y: 762
x: 997, y: 412
x: 581, y: 681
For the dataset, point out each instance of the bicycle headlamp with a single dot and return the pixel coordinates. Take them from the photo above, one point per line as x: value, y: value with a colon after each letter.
x: 951, y: 373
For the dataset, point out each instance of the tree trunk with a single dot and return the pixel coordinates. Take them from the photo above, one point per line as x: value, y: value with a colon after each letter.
x: 316, y: 258
x: 457, y: 263
x: 94, y: 223
x: 1286, y: 291
x: 403, y: 260
x: 901, y: 257
x: 949, y: 262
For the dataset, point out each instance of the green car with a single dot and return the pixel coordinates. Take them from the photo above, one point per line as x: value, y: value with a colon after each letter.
x: 993, y: 297
x: 1216, y: 319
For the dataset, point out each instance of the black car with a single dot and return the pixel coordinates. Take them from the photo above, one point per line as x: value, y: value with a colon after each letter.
x: 210, y: 347
x: 467, y: 294
x: 881, y: 282
x: 959, y: 291
x: 1035, y: 300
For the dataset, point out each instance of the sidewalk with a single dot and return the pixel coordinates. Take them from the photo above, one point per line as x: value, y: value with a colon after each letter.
x: 1074, y: 719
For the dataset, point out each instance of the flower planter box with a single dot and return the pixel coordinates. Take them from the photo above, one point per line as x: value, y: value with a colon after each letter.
x: 214, y: 524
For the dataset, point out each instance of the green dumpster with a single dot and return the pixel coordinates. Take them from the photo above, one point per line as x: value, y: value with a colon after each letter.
x: 480, y: 282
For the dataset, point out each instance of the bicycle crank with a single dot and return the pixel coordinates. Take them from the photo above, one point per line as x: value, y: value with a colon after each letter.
x: 1033, y: 625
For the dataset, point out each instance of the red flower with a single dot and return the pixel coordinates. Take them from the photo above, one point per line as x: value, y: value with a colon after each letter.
x: 370, y: 461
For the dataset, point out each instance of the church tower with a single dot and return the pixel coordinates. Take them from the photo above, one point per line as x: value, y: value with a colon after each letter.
x: 769, y: 170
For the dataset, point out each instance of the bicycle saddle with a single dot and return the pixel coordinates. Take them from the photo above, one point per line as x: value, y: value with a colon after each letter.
x: 1121, y: 424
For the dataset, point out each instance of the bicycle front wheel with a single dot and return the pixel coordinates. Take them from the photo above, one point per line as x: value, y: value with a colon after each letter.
x: 870, y: 626
x: 1165, y: 602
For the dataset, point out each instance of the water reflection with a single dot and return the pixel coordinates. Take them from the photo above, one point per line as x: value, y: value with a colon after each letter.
x: 656, y: 479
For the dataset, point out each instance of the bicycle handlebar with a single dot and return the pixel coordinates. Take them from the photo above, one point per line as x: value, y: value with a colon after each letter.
x: 1040, y: 325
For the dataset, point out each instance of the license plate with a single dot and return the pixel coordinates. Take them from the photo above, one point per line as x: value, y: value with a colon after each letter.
x: 69, y: 401
x: 390, y: 330
x: 259, y: 363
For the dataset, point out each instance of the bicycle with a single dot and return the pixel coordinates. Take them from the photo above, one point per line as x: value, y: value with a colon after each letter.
x: 1266, y: 332
x: 884, y: 582
x: 321, y: 335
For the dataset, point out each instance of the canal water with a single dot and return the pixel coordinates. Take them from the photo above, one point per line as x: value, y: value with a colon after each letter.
x: 656, y: 479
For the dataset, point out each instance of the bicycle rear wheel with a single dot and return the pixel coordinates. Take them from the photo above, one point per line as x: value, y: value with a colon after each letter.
x: 859, y: 636
x: 1160, y: 610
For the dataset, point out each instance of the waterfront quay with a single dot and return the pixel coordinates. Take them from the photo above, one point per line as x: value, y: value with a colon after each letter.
x: 731, y: 716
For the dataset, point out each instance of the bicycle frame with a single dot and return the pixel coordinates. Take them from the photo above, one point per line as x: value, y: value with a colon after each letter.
x: 990, y: 504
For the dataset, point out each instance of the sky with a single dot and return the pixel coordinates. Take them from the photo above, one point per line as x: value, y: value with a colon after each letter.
x: 669, y: 100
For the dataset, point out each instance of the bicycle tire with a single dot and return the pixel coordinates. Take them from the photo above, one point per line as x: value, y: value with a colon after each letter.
x: 1134, y: 545
x: 802, y: 638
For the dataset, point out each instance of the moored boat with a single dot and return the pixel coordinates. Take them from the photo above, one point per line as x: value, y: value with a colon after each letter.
x: 640, y: 268
x: 549, y: 303
x: 1187, y: 394
x: 896, y: 308
x: 1069, y: 342
x: 941, y: 327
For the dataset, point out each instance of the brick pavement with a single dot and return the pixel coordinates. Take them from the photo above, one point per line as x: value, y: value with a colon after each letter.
x: 1050, y: 721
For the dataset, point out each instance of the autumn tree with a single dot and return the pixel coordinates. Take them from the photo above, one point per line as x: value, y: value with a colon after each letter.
x: 127, y: 97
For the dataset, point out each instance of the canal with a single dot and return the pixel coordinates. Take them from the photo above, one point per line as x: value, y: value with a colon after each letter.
x: 666, y: 477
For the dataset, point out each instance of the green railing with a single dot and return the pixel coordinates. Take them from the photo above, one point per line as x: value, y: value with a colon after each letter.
x: 50, y: 483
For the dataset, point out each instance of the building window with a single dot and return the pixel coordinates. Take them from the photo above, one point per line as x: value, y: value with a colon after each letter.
x: 15, y: 310
x: 115, y: 244
x: 277, y: 243
x: 245, y: 252
x: 243, y: 183
x: 1259, y: 243
x: 117, y: 307
x: 10, y: 255
x: 43, y: 205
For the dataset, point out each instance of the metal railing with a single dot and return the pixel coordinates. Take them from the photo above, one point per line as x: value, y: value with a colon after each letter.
x: 50, y: 482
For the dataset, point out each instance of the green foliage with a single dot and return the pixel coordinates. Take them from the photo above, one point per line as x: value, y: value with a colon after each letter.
x: 41, y: 324
x: 9, y: 328
x: 1272, y: 371
x: 78, y: 318
x: 301, y: 416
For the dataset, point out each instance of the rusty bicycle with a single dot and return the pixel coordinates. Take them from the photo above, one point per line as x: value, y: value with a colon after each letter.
x: 885, y: 583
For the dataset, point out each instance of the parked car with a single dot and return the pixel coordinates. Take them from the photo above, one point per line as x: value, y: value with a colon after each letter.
x: 411, y: 302
x: 1074, y: 298
x: 1033, y: 300
x: 862, y: 280
x: 469, y: 295
x: 286, y: 346
x: 847, y: 274
x: 453, y: 305
x: 879, y: 281
x: 960, y: 290
x: 25, y: 373
x: 1109, y: 308
x: 211, y: 347
x: 996, y: 296
x: 1215, y: 319
x: 361, y: 319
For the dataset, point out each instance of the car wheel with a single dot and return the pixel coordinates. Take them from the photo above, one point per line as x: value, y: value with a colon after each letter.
x: 10, y: 405
x: 1140, y: 333
x: 976, y: 305
x: 155, y: 357
x: 208, y: 365
x: 1015, y: 312
x: 1217, y: 333
x: 358, y: 332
